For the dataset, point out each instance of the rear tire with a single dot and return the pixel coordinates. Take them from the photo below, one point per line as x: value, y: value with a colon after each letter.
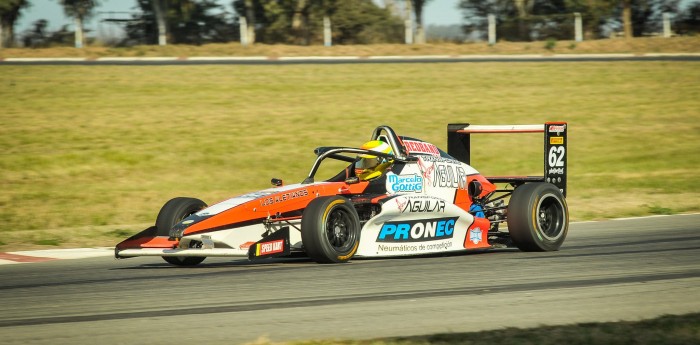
x: 538, y: 217
x: 173, y: 212
x: 330, y: 229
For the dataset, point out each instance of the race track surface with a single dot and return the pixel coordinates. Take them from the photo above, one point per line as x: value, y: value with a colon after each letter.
x: 606, y: 271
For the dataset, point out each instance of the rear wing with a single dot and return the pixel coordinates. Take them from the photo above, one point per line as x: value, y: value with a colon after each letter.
x: 459, y: 147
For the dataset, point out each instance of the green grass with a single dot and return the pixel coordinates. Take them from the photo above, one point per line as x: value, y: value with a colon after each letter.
x: 668, y: 330
x: 89, y: 147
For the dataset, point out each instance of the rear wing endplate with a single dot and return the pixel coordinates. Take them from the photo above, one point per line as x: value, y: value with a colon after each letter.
x: 459, y: 147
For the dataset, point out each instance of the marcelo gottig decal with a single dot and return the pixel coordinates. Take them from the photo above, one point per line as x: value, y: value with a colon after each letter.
x: 404, y: 183
x: 417, y: 230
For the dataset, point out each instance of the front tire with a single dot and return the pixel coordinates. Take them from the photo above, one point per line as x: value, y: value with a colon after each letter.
x: 173, y: 212
x: 538, y: 217
x: 330, y: 229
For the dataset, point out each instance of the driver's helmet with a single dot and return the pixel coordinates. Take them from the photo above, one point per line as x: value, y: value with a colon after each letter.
x: 367, y: 166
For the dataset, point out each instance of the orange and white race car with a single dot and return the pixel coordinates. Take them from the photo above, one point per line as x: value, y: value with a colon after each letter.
x: 423, y: 200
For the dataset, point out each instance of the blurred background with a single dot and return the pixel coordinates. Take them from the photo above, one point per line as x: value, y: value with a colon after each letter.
x: 44, y: 23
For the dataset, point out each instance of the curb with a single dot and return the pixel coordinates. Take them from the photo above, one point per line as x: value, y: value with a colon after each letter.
x: 31, y: 256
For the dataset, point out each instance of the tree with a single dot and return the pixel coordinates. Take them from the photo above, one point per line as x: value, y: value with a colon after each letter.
x: 418, y: 11
x: 160, y: 10
x: 524, y: 9
x: 10, y: 11
x: 595, y: 14
x: 250, y: 19
x: 301, y: 21
x: 363, y: 22
x: 524, y: 20
x: 184, y: 22
x: 688, y: 22
x: 79, y: 10
x: 640, y: 17
x: 627, y: 17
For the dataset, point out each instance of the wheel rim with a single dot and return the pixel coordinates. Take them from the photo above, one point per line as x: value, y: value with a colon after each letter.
x: 550, y: 217
x: 339, y: 230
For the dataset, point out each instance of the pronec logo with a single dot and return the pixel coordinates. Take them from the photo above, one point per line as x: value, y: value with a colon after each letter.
x: 417, y: 230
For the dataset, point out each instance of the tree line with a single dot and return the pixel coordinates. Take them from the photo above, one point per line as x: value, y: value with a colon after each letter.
x: 525, y: 20
x: 355, y: 21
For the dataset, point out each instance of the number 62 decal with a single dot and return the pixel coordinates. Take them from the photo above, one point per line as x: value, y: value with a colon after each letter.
x: 556, y: 156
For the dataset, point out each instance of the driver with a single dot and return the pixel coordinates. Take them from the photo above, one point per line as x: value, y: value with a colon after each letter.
x: 368, y: 167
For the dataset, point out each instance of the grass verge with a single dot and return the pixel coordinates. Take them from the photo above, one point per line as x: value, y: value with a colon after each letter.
x: 668, y: 330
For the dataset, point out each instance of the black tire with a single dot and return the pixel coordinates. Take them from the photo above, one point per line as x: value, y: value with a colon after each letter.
x: 172, y: 213
x: 538, y: 217
x: 330, y: 229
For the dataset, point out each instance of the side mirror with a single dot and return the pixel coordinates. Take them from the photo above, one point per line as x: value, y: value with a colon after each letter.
x: 277, y: 182
x: 474, y: 189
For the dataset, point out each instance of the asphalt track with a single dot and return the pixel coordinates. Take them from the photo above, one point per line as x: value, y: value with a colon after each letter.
x: 606, y: 271
x: 325, y: 60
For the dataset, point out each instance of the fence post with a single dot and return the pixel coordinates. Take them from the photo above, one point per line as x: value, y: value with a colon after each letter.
x: 492, y: 29
x: 327, y: 39
x: 667, y: 24
x: 243, y: 28
x: 78, y: 32
x: 578, y: 27
x: 408, y: 28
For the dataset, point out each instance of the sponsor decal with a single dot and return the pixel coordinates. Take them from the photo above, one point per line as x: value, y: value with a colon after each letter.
x: 413, y: 146
x: 451, y: 176
x: 417, y: 230
x: 557, y: 128
x: 475, y: 235
x: 284, y: 197
x: 556, y: 140
x: 267, y: 248
x: 427, y: 170
x: 421, y: 205
x: 556, y: 171
x: 448, y: 174
x: 434, y: 159
x: 404, y: 183
x: 255, y: 195
x: 444, y: 245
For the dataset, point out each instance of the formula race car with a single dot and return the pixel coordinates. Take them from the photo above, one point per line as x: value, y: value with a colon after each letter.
x: 424, y: 201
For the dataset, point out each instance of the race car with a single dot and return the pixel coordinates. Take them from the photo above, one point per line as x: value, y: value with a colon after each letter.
x: 423, y: 201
